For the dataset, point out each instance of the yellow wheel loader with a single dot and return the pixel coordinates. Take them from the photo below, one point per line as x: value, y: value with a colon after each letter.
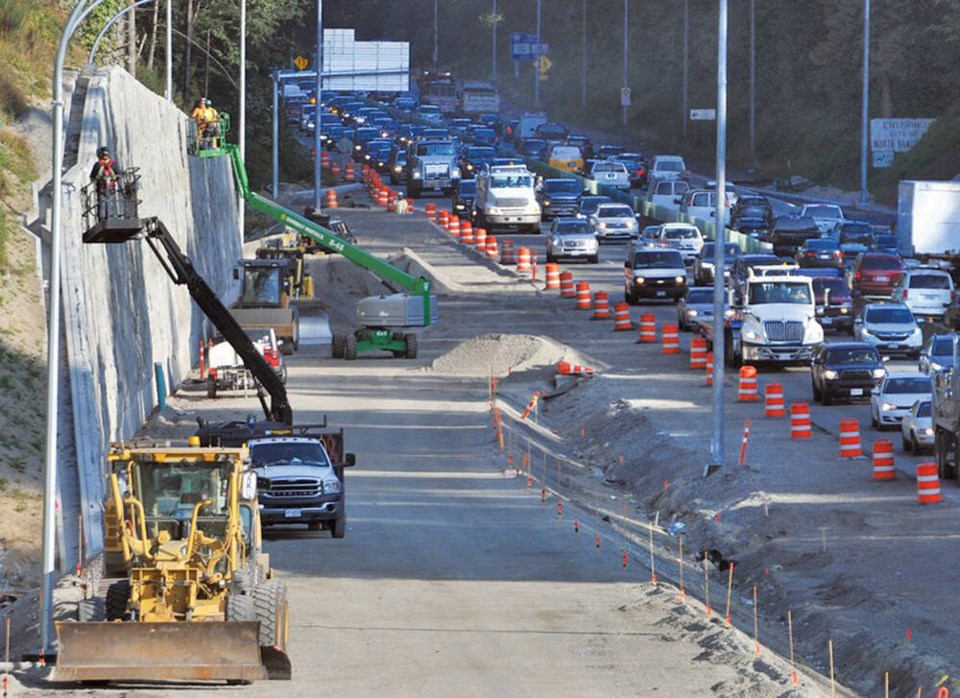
x: 199, y: 600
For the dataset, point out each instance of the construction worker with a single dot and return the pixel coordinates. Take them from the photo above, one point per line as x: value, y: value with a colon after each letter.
x: 213, y: 124
x: 105, y: 174
x: 207, y: 127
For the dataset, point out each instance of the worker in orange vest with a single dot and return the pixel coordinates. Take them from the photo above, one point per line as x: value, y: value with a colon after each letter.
x: 105, y: 174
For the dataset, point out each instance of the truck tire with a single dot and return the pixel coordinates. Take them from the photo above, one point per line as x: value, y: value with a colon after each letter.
x: 350, y: 348
x: 92, y: 610
x: 731, y: 358
x: 118, y: 594
x: 270, y: 607
x: 337, y: 348
x: 411, y: 342
x: 240, y: 609
x: 338, y: 527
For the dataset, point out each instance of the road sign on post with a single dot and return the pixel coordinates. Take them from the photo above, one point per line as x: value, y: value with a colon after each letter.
x: 624, y: 96
x: 524, y: 47
x: 301, y: 63
x: 703, y: 114
x: 545, y: 65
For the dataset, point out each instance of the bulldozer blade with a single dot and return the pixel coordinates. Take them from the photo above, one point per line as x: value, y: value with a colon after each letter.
x: 127, y: 651
x: 315, y: 329
x: 276, y: 663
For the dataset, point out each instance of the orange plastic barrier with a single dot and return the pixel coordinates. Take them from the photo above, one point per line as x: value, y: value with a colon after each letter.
x: 324, y: 159
x: 564, y: 368
x: 453, y: 226
x: 800, y: 425
x: 850, y: 446
x: 583, y: 295
x: 553, y: 275
x: 350, y: 175
x: 383, y: 198
x: 748, y: 391
x: 431, y: 211
x: 507, y: 252
x: 884, y: 467
x: 709, y: 368
x: 493, y: 250
x: 928, y: 483
x: 466, y: 230
x: 648, y: 328
x: 480, y: 238
x: 773, y: 404
x: 334, y: 168
x: 601, y: 304
x: 523, y: 259
x: 332, y: 198
x: 670, y: 340
x: 566, y: 285
x: 621, y: 318
x: 698, y: 353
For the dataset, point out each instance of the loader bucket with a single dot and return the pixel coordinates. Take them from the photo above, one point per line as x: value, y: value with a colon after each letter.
x: 121, y: 651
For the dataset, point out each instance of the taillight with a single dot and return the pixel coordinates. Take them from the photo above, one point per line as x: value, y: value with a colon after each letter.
x: 271, y: 357
x: 906, y: 293
x: 212, y: 373
x: 857, y: 276
x: 836, y: 253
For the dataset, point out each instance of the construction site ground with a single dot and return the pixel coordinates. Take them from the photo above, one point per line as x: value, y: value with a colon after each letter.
x: 462, y: 574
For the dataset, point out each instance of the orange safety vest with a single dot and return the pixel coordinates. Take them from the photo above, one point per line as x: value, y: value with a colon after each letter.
x: 106, y: 173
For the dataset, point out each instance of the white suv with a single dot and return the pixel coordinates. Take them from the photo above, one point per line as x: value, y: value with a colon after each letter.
x: 684, y: 237
x: 926, y: 291
x: 668, y: 167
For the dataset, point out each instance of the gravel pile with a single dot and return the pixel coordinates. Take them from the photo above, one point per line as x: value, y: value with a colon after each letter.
x: 502, y: 354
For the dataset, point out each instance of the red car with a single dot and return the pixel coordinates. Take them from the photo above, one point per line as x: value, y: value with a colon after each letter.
x: 875, y: 274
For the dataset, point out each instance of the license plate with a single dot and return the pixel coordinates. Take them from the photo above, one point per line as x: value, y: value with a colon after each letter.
x: 882, y: 278
x: 856, y: 392
x: 293, y: 513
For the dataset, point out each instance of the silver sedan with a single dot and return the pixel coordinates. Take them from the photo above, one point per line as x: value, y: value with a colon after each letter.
x: 572, y: 238
x: 916, y: 428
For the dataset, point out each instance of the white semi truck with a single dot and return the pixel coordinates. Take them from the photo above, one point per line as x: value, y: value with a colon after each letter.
x: 507, y: 199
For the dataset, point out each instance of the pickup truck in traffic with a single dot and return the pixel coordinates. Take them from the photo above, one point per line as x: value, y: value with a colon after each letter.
x: 774, y: 323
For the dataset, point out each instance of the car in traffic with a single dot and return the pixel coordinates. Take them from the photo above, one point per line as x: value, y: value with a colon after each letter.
x: 892, y: 399
x: 429, y: 112
x: 531, y: 147
x: 568, y: 158
x: 874, y: 274
x: 753, y: 207
x: 916, y: 427
x: 463, y: 197
x: 685, y: 237
x: 845, y: 370
x: 885, y: 242
x: 559, y: 196
x: 819, y: 252
x: 637, y: 167
x: 826, y: 216
x: 551, y: 131
x: 938, y: 353
x: 834, y: 306
x: 479, y: 134
x: 701, y: 204
x: 790, y: 233
x: 925, y: 290
x: 572, y: 238
x: 473, y: 159
x: 652, y: 272
x: 890, y: 327
x: 668, y: 167
x: 853, y: 237
x: 611, y: 173
x: 581, y: 141
x: 610, y: 151
x: 665, y: 192
x: 703, y: 265
x: 589, y: 203
x: 614, y: 221
x: 694, y: 306
x: 397, y: 164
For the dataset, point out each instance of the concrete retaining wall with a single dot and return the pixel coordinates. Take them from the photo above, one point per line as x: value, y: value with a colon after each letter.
x: 121, y: 311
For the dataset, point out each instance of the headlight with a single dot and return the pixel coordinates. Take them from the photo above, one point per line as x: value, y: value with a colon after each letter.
x: 729, y: 313
x: 459, y: 207
x: 602, y: 225
x: 640, y: 280
x: 455, y: 172
x: 470, y: 167
x: 887, y: 406
x: 706, y: 265
x: 878, y: 372
x: 397, y: 168
x: 916, y: 331
x: 546, y: 203
x: 934, y: 366
x: 752, y: 336
x: 830, y: 374
x: 691, y: 312
x: 493, y: 211
x: 416, y: 174
x: 356, y: 147
x: 927, y: 432
x: 331, y: 486
x: 864, y: 330
x: 680, y: 279
x: 844, y: 311
x: 367, y: 156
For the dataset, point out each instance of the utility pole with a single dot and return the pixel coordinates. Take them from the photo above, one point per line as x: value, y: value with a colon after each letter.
x: 436, y: 37
x: 864, y: 196
x: 626, y: 55
x: 317, y: 159
x: 242, y: 135
x: 583, y: 54
x: 536, y: 73
x: 169, y: 50
x: 686, y: 65
x: 493, y: 48
x: 753, y: 81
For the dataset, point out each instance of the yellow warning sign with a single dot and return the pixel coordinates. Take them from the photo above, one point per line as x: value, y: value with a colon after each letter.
x: 301, y: 62
x: 545, y: 65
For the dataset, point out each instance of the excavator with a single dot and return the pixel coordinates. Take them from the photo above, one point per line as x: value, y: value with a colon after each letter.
x: 198, y: 600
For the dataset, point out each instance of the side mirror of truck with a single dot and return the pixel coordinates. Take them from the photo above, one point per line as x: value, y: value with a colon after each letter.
x: 236, y: 273
x: 349, y: 460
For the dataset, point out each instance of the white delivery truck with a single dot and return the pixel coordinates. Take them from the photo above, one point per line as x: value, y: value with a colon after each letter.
x: 928, y: 219
x: 506, y: 199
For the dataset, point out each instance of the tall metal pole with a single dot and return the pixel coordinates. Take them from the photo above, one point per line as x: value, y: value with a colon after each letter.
x: 753, y: 79
x: 864, y: 196
x: 583, y: 54
x: 436, y: 37
x: 686, y: 64
x: 242, y: 135
x: 719, y: 349
x: 626, y: 52
x: 275, y: 154
x: 536, y: 73
x: 206, y: 68
x: 493, y: 48
x: 318, y: 118
x: 169, y: 52
x: 53, y: 344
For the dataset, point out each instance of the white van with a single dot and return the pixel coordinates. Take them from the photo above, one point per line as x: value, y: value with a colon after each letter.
x: 701, y: 204
x: 665, y: 192
x: 670, y: 167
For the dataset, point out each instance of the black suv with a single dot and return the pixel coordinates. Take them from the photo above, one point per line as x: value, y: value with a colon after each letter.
x: 847, y: 370
x: 559, y: 197
x: 790, y: 233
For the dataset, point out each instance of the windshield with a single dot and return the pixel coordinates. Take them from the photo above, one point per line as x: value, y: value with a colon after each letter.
x: 561, y: 186
x: 700, y: 295
x: 903, y: 386
x: 658, y: 260
x: 937, y: 281
x: 730, y: 249
x: 822, y: 212
x: 478, y: 153
x: 609, y: 167
x: 780, y: 292
x: 170, y: 491
x: 900, y: 316
x: 510, y: 181
x: 669, y: 166
x: 614, y: 212
x: 753, y: 212
x: 574, y: 227
x: 817, y: 244
x: 924, y: 409
x: 856, y: 355
x: 435, y: 149
x: 837, y: 288
x: 942, y: 346
x: 566, y: 153
x: 886, y: 240
x: 299, y: 452
x: 681, y: 234
x: 468, y: 186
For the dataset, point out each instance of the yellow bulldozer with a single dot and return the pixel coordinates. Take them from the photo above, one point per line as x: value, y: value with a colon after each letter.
x: 198, y: 600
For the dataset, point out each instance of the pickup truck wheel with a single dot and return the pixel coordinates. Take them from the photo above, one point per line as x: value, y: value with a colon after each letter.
x: 873, y: 421
x: 596, y: 258
x: 630, y: 297
x: 730, y: 357
x: 826, y: 398
x: 411, y: 341
x: 338, y: 527
x: 350, y: 348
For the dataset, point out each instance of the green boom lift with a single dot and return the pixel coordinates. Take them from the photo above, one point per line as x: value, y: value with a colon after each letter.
x: 382, y: 314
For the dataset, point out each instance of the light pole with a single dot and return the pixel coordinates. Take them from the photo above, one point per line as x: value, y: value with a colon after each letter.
x: 536, y: 73
x: 719, y: 350
x: 275, y: 154
x: 686, y: 64
x: 753, y: 80
x: 242, y: 133
x: 318, y: 118
x: 436, y: 37
x: 493, y: 48
x: 169, y: 52
x: 583, y: 54
x: 626, y: 55
x: 864, y: 197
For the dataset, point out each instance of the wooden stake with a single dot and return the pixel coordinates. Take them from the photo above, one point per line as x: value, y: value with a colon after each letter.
x: 833, y: 685
x: 653, y: 571
x: 886, y: 684
x: 706, y: 583
x: 756, y: 640
x: 793, y: 664
x: 683, y: 592
x: 6, y: 651
x: 729, y: 595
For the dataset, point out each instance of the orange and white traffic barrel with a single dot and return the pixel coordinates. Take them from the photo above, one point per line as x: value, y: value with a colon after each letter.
x: 324, y: 159
x: 800, y: 425
x: 698, y: 353
x: 850, y: 446
x: 648, y: 328
x: 565, y: 368
x: 583, y: 295
x: 523, y: 259
x: 928, y: 483
x: 553, y: 275
x: 453, y: 227
x: 748, y: 391
x: 391, y: 199
x: 350, y: 175
x: 670, y: 340
x: 332, y: 198
x: 492, y: 249
x: 443, y: 217
x: 566, y: 285
x: 480, y: 238
x: 466, y: 230
x: 334, y: 168
x: 621, y: 318
x: 601, y: 304
x: 773, y: 404
x: 431, y: 211
x: 508, y: 252
x: 883, y: 463
x: 709, y: 368
x: 383, y: 198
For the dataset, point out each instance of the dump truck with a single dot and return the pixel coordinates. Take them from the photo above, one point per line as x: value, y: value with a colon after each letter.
x: 198, y: 600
